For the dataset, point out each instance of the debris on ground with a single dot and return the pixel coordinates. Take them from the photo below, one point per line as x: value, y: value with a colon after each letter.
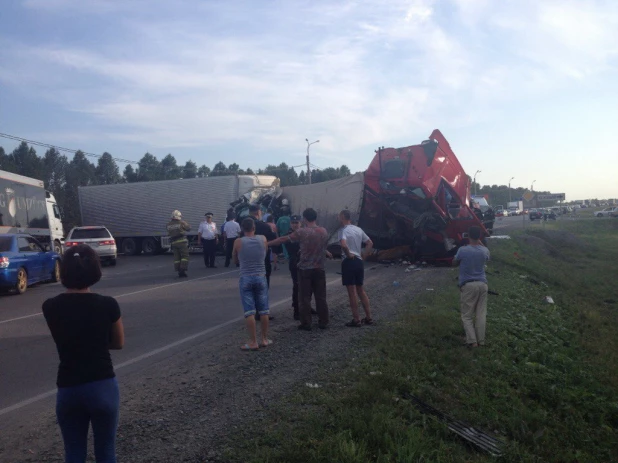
x: 312, y: 385
x: 549, y: 300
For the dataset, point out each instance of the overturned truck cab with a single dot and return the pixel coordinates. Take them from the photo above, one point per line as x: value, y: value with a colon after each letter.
x: 414, y: 201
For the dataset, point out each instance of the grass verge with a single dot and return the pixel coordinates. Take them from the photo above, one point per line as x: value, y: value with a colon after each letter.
x: 546, y: 384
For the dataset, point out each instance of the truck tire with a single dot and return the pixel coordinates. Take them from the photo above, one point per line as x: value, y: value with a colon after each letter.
x: 150, y: 246
x: 130, y: 247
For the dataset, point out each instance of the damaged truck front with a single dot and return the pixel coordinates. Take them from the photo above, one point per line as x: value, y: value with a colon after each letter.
x: 413, y: 201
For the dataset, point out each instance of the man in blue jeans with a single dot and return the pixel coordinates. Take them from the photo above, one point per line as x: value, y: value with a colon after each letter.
x: 250, y: 252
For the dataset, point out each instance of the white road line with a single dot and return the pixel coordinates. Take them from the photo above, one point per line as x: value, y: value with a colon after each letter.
x: 151, y: 353
x: 132, y: 293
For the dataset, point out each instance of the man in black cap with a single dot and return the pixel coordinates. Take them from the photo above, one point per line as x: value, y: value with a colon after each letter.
x: 208, y: 236
x: 293, y: 249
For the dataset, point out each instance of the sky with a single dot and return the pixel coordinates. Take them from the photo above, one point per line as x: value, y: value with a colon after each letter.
x: 520, y: 88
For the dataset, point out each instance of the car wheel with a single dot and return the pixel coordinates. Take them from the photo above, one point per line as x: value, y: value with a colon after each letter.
x: 56, y: 272
x: 22, y: 281
x: 599, y: 215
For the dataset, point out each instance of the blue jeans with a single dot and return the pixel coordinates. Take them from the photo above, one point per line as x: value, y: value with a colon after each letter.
x: 254, y: 294
x: 78, y: 406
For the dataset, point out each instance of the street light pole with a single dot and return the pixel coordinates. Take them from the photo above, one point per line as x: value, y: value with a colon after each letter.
x: 510, y: 188
x: 474, y: 181
x: 532, y: 186
x: 308, y: 166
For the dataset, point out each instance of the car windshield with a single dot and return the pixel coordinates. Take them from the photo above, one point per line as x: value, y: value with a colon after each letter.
x: 5, y: 243
x: 89, y: 233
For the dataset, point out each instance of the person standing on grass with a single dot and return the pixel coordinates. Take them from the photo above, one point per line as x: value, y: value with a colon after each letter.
x: 473, y: 287
x: 250, y: 251
x: 313, y: 240
x: 351, y: 239
x: 85, y: 326
x: 231, y: 230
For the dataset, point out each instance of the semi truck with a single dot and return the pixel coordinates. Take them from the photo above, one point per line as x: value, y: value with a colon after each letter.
x: 26, y: 207
x: 136, y: 213
x: 416, y: 199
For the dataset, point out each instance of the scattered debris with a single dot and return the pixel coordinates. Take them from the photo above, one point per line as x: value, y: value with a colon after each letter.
x: 499, y: 237
x: 475, y: 436
x: 396, y: 283
x: 549, y: 300
x: 523, y: 276
x: 429, y: 289
x: 375, y: 373
x: 312, y: 386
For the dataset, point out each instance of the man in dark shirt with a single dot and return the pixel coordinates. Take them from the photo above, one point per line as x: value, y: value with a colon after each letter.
x: 293, y: 250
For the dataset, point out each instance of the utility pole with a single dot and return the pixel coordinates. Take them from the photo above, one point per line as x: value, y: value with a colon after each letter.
x: 308, y: 165
x: 474, y: 181
x: 510, y: 188
x: 532, y: 186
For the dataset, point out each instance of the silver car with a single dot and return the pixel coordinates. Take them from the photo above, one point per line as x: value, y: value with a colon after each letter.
x: 98, y: 238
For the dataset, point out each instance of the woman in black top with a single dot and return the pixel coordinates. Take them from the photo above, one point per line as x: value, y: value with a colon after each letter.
x: 85, y: 326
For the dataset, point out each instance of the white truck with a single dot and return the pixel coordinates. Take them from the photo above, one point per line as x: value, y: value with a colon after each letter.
x: 25, y: 207
x: 515, y: 207
x: 136, y: 213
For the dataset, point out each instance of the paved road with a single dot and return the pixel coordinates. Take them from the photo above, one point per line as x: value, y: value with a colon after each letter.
x: 162, y: 315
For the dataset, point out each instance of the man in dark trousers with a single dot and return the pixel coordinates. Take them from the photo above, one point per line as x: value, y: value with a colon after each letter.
x: 208, y: 237
x: 293, y: 250
x: 262, y: 228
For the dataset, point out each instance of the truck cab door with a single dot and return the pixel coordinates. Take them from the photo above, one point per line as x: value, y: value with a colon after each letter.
x: 56, y: 230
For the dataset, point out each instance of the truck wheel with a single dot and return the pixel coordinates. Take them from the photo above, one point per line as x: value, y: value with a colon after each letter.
x: 22, y: 281
x: 56, y: 273
x: 57, y: 247
x: 130, y: 247
x: 150, y: 246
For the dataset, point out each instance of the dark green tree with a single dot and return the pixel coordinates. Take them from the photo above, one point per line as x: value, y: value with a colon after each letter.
x: 26, y: 161
x: 189, y: 170
x: 80, y: 172
x: 6, y: 163
x: 107, y: 172
x: 169, y: 168
x: 203, y: 171
x: 286, y: 174
x: 219, y: 169
x: 55, y: 166
x: 148, y: 168
x: 129, y: 175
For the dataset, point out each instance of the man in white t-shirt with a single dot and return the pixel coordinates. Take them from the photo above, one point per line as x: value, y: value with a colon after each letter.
x: 208, y: 237
x: 351, y: 239
x: 231, y: 231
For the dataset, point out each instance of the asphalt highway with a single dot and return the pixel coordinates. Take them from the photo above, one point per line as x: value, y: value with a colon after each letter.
x: 162, y: 314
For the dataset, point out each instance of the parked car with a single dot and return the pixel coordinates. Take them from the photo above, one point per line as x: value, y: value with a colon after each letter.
x: 24, y: 262
x: 548, y: 214
x: 536, y: 214
x: 606, y: 212
x: 614, y: 213
x: 98, y: 238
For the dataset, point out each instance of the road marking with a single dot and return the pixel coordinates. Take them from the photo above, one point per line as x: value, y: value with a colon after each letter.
x: 151, y: 353
x: 132, y: 293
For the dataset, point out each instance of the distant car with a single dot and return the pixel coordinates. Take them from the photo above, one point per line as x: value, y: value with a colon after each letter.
x: 526, y: 211
x: 513, y: 211
x: 500, y: 213
x: 535, y: 214
x: 606, y: 212
x: 24, y: 262
x: 614, y: 213
x: 98, y: 238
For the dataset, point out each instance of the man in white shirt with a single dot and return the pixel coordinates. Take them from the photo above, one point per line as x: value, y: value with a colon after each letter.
x: 231, y: 231
x: 351, y: 239
x: 208, y: 237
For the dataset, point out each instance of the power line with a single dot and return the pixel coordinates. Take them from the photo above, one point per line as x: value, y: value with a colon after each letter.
x: 59, y: 148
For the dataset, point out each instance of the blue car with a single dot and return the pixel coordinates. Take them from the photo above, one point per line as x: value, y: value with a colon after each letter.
x: 24, y: 262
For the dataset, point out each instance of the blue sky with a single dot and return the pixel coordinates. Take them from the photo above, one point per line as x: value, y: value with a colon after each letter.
x: 525, y: 89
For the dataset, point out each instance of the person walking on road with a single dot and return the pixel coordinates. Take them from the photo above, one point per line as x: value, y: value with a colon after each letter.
x: 473, y: 287
x: 85, y: 326
x: 311, y: 275
x: 351, y: 239
x: 231, y: 231
x: 249, y: 252
x: 177, y: 230
x: 293, y: 250
x: 208, y: 237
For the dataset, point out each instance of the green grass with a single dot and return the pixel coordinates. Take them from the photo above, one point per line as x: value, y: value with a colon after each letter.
x: 546, y: 385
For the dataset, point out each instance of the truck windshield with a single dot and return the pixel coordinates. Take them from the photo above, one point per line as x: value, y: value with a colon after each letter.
x: 89, y: 233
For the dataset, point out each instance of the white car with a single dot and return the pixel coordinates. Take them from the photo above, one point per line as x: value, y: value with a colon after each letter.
x: 606, y: 212
x: 98, y: 238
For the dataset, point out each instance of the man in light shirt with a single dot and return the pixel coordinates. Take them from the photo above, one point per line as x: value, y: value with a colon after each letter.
x: 231, y: 231
x: 351, y: 239
x: 207, y: 237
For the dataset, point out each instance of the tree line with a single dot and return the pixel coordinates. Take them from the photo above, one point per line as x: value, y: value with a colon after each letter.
x: 62, y: 176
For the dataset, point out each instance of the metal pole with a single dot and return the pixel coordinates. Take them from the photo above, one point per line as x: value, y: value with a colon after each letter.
x: 474, y: 181
x: 308, y: 165
x: 510, y: 189
x: 532, y: 186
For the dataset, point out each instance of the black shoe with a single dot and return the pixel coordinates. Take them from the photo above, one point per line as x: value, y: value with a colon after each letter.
x: 296, y: 316
x: 213, y: 266
x: 271, y: 317
x: 182, y: 274
x: 314, y: 312
x: 304, y: 327
x: 322, y: 327
x: 354, y: 324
